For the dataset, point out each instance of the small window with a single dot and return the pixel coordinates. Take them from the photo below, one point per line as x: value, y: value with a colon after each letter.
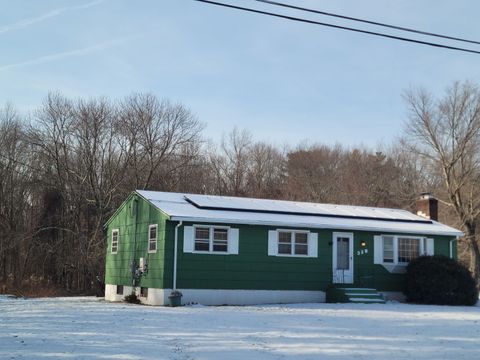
x: 152, y: 238
x: 115, y: 237
x: 119, y: 289
x: 144, y: 292
x: 211, y: 239
x: 293, y: 243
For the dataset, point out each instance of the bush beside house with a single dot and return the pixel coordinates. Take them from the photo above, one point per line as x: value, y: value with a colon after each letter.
x: 439, y: 280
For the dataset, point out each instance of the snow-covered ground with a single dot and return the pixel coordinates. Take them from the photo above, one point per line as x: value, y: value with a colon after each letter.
x: 87, y: 328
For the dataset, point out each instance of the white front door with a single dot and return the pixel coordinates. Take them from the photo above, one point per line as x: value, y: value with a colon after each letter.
x: 342, y: 258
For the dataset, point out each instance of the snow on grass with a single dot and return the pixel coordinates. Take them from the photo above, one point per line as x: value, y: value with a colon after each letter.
x: 88, y: 328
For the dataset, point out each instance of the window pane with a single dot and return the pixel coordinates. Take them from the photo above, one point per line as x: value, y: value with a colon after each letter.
x: 152, y: 245
x: 285, y: 249
x: 408, y: 249
x: 220, y: 234
x: 301, y: 238
x: 153, y: 232
x: 301, y: 249
x: 284, y: 237
x: 388, y: 249
x: 343, y: 253
x: 202, y: 245
x: 202, y: 233
x: 221, y: 246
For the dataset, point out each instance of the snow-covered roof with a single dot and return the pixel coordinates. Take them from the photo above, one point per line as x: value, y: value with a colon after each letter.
x: 237, y: 210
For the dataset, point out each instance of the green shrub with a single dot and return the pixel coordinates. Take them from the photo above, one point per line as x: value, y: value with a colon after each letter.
x: 132, y: 298
x: 439, y: 280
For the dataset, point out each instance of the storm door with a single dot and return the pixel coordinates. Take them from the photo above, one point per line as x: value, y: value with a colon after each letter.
x: 342, y: 258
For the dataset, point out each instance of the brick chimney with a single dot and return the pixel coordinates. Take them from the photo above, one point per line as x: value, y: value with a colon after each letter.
x: 427, y: 206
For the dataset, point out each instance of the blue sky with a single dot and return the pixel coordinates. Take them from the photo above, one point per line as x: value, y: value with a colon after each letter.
x: 286, y: 82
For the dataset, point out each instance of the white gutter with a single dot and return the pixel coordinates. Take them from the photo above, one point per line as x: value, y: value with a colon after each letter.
x: 445, y: 231
x: 175, y: 256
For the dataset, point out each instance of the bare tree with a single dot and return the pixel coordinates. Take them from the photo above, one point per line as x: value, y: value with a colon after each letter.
x: 156, y: 130
x: 313, y: 173
x: 14, y: 189
x: 267, y: 172
x: 231, y: 162
x: 446, y: 132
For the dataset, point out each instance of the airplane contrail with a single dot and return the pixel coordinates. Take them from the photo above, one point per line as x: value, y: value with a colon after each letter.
x: 53, y: 13
x: 65, y: 54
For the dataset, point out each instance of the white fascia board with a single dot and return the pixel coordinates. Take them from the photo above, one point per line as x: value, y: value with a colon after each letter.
x: 316, y: 226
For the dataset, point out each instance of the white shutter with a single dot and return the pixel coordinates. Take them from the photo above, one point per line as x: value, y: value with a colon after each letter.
x: 377, y: 249
x: 233, y: 241
x: 188, y: 239
x: 312, y: 244
x: 430, y: 247
x: 272, y: 242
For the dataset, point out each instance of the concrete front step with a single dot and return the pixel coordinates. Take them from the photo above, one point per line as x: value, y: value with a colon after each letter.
x: 365, y: 300
x: 354, y: 295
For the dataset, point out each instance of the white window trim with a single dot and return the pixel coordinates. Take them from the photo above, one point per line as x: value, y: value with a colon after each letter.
x: 421, y: 240
x: 210, y: 239
x: 118, y: 241
x: 156, y: 238
x: 292, y: 237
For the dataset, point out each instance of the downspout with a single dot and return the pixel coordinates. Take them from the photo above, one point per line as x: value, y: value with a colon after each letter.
x: 175, y: 256
x: 134, y: 261
x: 450, y: 243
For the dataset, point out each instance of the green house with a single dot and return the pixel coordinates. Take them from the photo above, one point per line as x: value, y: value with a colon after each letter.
x: 230, y: 250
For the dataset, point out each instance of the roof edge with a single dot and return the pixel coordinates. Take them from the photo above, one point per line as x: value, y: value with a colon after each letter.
x: 455, y: 232
x: 118, y: 210
x: 152, y: 202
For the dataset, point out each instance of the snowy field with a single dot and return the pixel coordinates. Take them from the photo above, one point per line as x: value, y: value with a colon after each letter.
x: 88, y: 328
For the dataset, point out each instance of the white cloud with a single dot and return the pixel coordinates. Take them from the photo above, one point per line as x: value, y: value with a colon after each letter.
x: 53, y: 13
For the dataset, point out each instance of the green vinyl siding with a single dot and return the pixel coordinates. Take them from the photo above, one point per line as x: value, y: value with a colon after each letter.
x: 132, y: 220
x: 253, y: 269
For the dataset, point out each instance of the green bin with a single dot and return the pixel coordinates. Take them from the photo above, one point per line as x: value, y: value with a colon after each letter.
x: 175, y: 299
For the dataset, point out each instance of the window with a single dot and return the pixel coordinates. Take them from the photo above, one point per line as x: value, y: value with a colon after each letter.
x: 284, y: 242
x: 301, y: 243
x: 115, y: 237
x: 408, y: 249
x: 292, y: 243
x: 119, y: 289
x: 152, y: 238
x: 144, y: 292
x: 388, y: 252
x: 401, y: 249
x: 220, y: 240
x: 211, y: 239
x: 202, y: 239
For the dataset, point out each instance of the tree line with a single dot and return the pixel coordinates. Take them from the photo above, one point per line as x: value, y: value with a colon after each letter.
x: 67, y: 166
